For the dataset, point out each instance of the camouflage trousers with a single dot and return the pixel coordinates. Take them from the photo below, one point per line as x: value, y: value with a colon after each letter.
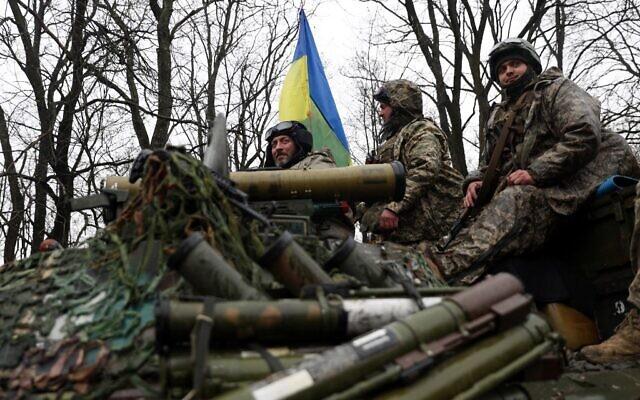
x: 516, y: 221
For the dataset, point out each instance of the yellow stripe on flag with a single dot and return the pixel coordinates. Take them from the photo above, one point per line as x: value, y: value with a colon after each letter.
x: 295, y: 99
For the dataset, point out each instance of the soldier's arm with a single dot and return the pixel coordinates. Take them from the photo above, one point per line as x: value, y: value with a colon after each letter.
x: 422, y: 159
x: 576, y: 120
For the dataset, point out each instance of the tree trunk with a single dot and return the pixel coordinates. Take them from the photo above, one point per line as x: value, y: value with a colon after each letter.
x: 17, y: 199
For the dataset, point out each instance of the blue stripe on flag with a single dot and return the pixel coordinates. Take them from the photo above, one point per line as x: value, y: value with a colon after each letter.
x: 318, y: 85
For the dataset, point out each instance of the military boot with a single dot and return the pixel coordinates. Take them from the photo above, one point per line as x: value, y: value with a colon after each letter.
x: 624, y: 345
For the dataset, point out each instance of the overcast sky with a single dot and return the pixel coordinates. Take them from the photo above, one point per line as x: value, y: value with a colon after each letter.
x: 339, y: 29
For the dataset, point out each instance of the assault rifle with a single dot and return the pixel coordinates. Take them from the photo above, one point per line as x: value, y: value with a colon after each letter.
x: 490, y: 179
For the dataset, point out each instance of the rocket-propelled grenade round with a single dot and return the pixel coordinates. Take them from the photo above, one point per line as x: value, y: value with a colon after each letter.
x: 371, y: 182
x: 282, y: 321
x: 347, y: 364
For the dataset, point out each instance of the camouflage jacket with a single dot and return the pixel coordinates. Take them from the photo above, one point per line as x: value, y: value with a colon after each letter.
x: 557, y: 137
x: 316, y: 160
x: 432, y: 197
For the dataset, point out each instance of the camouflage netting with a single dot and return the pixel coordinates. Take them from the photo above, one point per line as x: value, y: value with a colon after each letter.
x: 80, y: 321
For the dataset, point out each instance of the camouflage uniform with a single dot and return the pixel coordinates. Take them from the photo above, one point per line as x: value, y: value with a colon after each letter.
x: 556, y: 137
x: 316, y: 160
x: 432, y: 198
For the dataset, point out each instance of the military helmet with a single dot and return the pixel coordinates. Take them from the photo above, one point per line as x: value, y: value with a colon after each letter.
x: 297, y: 132
x: 401, y: 94
x: 513, y: 48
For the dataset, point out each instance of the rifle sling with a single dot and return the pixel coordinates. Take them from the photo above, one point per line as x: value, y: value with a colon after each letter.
x: 491, y: 173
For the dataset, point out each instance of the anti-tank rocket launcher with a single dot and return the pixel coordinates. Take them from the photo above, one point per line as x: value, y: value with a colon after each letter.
x: 290, y: 197
x: 295, y: 199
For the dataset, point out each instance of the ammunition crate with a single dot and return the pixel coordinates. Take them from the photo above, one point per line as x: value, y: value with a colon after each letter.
x: 597, y: 245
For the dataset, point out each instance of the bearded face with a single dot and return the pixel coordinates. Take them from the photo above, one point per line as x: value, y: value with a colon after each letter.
x: 283, y: 148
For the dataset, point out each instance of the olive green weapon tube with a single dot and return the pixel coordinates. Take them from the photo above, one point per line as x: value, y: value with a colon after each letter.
x: 264, y: 321
x: 350, y: 259
x: 282, y: 320
x: 372, y: 182
x: 347, y: 364
x: 291, y: 265
x: 481, y: 367
x: 177, y: 369
x: 209, y: 273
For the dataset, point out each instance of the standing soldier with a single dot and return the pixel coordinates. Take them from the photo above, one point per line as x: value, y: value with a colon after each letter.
x: 546, y: 154
x: 624, y: 345
x: 432, y: 196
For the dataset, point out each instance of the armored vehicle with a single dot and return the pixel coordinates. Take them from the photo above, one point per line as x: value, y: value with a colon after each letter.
x: 190, y: 292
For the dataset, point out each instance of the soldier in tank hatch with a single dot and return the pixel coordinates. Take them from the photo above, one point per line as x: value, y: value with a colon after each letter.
x: 289, y: 146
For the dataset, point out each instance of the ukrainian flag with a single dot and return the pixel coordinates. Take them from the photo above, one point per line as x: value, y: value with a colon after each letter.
x: 306, y: 97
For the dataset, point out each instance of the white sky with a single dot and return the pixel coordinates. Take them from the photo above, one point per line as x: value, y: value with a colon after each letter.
x: 339, y: 29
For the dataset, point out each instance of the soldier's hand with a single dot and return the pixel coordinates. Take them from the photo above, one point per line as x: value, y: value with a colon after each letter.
x: 520, y: 177
x: 388, y: 220
x: 472, y: 194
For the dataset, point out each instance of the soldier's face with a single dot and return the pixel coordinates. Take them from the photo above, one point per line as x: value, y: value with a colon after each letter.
x: 510, y: 71
x: 384, y: 112
x: 282, y: 149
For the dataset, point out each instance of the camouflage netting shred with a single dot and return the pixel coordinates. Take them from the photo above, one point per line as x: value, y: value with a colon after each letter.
x: 80, y: 321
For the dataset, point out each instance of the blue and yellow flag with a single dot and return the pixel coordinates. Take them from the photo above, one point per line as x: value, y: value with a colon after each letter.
x: 306, y: 97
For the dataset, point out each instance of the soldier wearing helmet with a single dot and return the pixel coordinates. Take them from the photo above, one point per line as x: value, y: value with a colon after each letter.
x: 554, y: 155
x: 432, y: 195
x: 289, y: 145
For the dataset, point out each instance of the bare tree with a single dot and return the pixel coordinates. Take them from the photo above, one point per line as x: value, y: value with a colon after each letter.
x: 597, y: 45
x: 55, y: 87
x: 16, y: 217
x: 368, y: 70
x: 451, y: 37
x: 93, y: 76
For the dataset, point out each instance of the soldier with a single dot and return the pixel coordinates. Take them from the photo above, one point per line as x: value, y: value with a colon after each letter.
x: 289, y: 145
x: 554, y: 155
x: 624, y: 345
x: 432, y: 196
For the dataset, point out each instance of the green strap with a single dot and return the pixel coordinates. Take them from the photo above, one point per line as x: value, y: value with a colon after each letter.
x: 202, y: 336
